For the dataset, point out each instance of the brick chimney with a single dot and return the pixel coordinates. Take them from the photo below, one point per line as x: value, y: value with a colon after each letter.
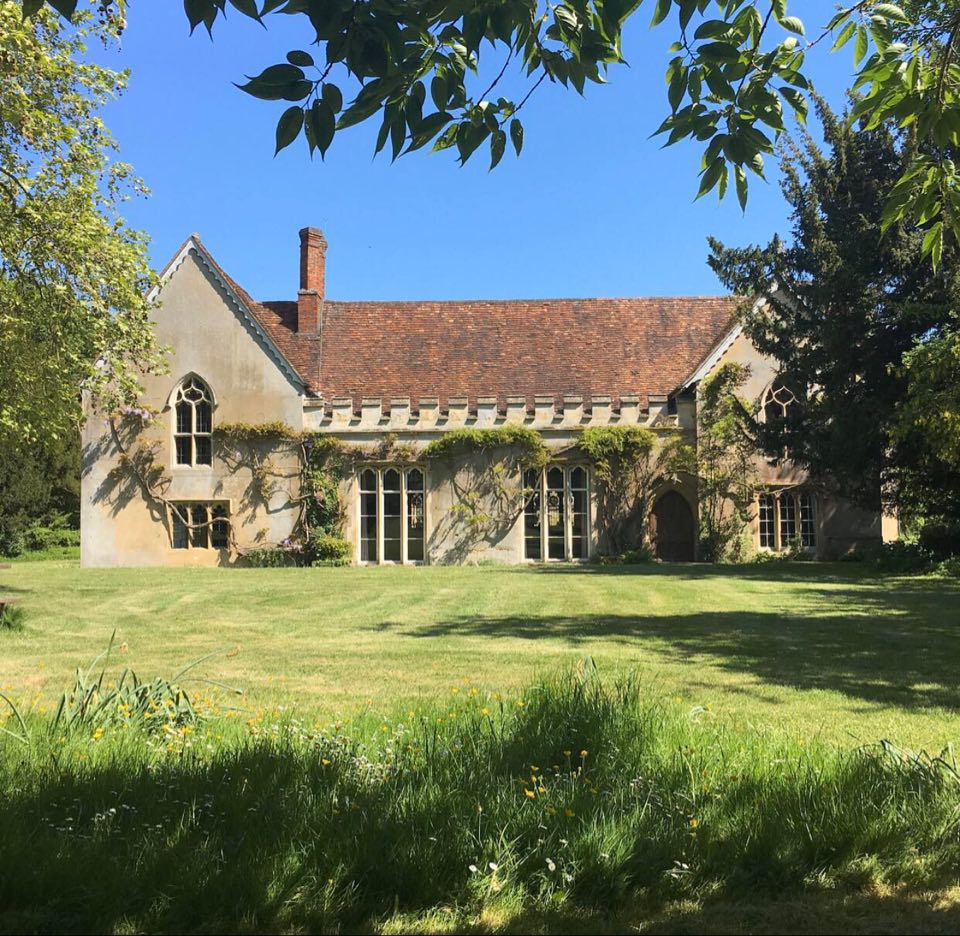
x: 313, y: 260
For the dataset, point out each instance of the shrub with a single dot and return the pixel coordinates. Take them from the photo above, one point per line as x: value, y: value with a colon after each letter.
x: 941, y: 539
x: 629, y: 557
x: 273, y: 557
x: 897, y: 557
x: 330, y: 549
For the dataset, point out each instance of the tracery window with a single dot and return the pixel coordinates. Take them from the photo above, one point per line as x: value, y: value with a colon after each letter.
x: 200, y: 526
x: 392, y: 515
x: 556, y: 513
x: 787, y: 519
x: 193, y: 427
x: 776, y: 407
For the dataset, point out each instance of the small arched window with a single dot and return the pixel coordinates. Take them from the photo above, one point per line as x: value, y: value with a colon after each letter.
x: 778, y: 403
x: 193, y: 412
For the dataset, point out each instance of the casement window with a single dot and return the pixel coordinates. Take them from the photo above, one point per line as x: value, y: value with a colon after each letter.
x: 193, y: 423
x: 556, y: 513
x: 392, y: 515
x: 786, y: 519
x: 768, y: 523
x: 200, y: 526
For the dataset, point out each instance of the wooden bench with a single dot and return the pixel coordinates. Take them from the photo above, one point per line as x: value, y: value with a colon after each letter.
x: 6, y: 602
x: 4, y: 565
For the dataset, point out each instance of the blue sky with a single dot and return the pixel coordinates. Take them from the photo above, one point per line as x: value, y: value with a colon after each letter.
x: 593, y: 207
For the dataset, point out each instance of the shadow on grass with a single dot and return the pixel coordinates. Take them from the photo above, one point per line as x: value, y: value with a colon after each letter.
x: 784, y: 571
x: 265, y: 838
x: 890, y: 645
x: 902, y: 912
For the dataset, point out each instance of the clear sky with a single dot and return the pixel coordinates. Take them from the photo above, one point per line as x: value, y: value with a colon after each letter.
x: 593, y: 207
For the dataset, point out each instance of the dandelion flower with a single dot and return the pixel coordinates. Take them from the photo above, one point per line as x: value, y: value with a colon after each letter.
x: 569, y: 813
x: 694, y: 822
x: 529, y: 793
x: 584, y: 753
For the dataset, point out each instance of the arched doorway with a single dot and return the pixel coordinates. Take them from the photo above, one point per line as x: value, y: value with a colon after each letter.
x: 673, y: 530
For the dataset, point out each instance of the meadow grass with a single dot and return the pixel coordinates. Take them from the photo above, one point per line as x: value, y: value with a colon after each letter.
x: 836, y: 652
x: 580, y: 804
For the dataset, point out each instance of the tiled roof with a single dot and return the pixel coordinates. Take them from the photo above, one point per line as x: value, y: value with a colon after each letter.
x: 517, y: 347
x: 497, y: 348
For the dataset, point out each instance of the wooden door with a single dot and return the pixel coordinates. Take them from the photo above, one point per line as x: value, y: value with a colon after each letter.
x: 673, y: 529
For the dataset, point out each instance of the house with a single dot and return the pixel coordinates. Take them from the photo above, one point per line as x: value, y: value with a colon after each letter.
x: 389, y: 378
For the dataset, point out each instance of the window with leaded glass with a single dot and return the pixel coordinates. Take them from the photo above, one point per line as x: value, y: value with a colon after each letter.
x: 788, y: 520
x: 369, y: 495
x: 808, y: 521
x: 767, y: 518
x: 195, y: 525
x: 392, y: 515
x: 556, y: 513
x: 193, y: 423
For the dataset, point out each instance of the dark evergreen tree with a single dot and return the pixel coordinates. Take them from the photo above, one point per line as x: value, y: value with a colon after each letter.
x: 845, y: 303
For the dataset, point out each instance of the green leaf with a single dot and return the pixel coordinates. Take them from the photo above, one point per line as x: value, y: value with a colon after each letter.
x: 741, y: 179
x: 247, y: 8
x: 933, y: 244
x: 890, y: 11
x: 516, y: 135
x: 861, y: 46
x: 278, y: 83
x: 498, y: 144
x: 332, y: 97
x: 846, y: 34
x: 661, y: 12
x: 288, y: 127
x: 438, y: 91
x: 793, y: 24
x: 298, y: 57
x: 66, y: 8
x: 323, y: 122
x: 711, y: 177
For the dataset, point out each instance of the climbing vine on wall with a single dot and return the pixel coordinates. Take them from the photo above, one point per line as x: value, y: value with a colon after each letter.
x: 485, y: 467
x: 630, y: 463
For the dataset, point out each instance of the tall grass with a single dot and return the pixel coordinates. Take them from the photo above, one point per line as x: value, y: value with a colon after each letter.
x: 573, y: 797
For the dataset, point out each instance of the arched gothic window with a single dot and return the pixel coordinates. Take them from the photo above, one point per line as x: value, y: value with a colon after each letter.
x: 392, y: 515
x: 556, y: 513
x: 777, y: 404
x: 193, y: 428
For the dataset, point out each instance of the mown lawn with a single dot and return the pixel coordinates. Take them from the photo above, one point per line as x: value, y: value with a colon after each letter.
x: 836, y: 652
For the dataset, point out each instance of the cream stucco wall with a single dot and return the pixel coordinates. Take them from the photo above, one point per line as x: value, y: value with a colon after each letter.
x: 209, y: 337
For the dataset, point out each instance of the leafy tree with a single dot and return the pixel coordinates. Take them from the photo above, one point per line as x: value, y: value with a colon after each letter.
x: 724, y: 463
x: 844, y: 304
x: 737, y: 69
x: 38, y: 485
x: 73, y: 276
x: 927, y: 419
